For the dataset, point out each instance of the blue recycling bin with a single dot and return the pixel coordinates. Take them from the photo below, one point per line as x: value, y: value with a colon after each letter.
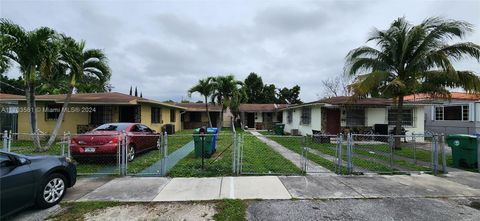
x: 214, y: 131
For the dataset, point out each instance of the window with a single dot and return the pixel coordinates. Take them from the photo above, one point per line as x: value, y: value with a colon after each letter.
x: 195, y: 116
x: 101, y: 115
x: 156, y: 115
x: 306, y: 116
x: 52, y: 111
x: 407, y: 117
x: 289, y: 116
x: 355, y: 117
x: 457, y: 112
x: 172, y: 115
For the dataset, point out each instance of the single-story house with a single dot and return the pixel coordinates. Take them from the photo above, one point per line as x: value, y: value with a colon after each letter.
x: 88, y: 110
x: 458, y: 114
x: 260, y: 116
x: 345, y: 114
x: 195, y: 115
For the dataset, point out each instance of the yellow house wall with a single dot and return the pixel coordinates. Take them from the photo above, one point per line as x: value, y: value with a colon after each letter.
x: 146, y: 117
x: 69, y: 124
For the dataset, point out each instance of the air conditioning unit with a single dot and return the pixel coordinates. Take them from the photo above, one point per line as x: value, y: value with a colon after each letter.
x: 295, y: 132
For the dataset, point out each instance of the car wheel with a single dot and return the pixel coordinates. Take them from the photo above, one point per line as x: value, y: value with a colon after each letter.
x: 131, y: 153
x: 52, y: 190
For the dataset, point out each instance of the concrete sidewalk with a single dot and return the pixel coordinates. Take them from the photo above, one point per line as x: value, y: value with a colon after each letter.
x: 149, y: 189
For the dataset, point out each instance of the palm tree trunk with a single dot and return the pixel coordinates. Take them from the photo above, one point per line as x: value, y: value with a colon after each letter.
x: 58, y: 124
x: 32, y: 109
x: 398, y: 122
x: 208, y: 113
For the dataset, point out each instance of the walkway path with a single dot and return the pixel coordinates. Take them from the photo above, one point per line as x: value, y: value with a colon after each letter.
x: 171, y: 161
x: 295, y: 158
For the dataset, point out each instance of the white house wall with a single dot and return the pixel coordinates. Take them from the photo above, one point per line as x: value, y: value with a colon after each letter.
x: 375, y: 116
x: 315, y: 123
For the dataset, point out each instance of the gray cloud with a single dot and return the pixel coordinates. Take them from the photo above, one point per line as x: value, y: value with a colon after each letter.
x: 164, y: 47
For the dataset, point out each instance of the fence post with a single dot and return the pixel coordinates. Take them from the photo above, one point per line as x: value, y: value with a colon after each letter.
x: 9, y: 141
x: 338, y: 170
x: 69, y: 141
x: 414, y: 140
x: 124, y: 153
x: 62, y: 144
x: 234, y: 153
x: 391, y: 144
x: 435, y: 154
x: 165, y: 154
x: 444, y: 159
x: 349, y: 152
x: 5, y: 140
x: 240, y: 153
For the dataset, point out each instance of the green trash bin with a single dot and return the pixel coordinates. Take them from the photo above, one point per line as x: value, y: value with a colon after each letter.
x: 279, y: 127
x: 464, y: 150
x: 209, y: 142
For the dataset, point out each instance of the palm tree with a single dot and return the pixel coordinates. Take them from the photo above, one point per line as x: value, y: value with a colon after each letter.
x: 35, y: 53
x: 413, y: 59
x: 205, y: 88
x: 225, y: 90
x: 79, y: 65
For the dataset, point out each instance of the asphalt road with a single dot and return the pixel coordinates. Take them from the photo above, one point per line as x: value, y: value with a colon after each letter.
x: 366, y: 209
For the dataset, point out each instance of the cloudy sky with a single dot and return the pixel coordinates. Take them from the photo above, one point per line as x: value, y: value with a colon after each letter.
x: 164, y: 47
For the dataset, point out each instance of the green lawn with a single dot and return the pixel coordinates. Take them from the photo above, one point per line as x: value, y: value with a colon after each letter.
x: 362, y: 159
x: 257, y: 158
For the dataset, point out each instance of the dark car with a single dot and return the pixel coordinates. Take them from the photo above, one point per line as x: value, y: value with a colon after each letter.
x: 40, y: 181
x: 104, y: 140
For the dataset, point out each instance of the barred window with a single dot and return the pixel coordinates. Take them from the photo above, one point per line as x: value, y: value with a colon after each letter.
x: 101, y: 115
x: 289, y: 116
x: 306, y: 116
x: 355, y: 117
x: 407, y: 117
x: 172, y: 115
x: 52, y: 111
x: 438, y: 113
x: 156, y: 115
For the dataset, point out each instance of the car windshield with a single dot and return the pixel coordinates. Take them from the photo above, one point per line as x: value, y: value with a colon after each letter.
x: 111, y: 127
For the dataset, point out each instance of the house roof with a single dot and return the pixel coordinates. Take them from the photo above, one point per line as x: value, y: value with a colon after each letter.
x: 90, y: 98
x: 347, y: 100
x: 200, y: 107
x: 261, y: 107
x: 453, y: 96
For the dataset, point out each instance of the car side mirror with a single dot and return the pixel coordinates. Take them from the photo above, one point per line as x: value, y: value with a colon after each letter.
x: 22, y: 161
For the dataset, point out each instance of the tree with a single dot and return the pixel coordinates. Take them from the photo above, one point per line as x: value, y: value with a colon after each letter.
x: 79, y: 66
x: 289, y: 96
x: 205, y: 88
x: 254, y: 88
x: 413, y: 59
x: 226, y: 88
x: 35, y: 52
x: 269, y: 95
x: 337, y: 86
x: 11, y: 85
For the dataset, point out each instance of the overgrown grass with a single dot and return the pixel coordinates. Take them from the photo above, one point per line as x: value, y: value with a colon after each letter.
x: 230, y: 210
x: 77, y: 210
x: 257, y: 158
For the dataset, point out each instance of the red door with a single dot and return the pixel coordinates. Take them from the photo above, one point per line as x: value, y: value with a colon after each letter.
x: 333, y: 121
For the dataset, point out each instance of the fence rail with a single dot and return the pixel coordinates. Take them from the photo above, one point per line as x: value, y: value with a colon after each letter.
x: 239, y: 152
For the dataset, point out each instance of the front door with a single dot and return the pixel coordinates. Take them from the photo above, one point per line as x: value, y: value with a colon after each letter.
x: 251, y: 120
x: 333, y: 121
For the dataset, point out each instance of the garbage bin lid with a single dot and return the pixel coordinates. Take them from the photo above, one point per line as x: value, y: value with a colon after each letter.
x: 461, y: 136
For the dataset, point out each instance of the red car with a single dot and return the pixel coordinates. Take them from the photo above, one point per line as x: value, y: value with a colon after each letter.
x: 104, y: 140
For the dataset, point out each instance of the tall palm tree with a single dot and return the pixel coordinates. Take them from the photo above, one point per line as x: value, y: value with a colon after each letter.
x: 205, y: 88
x: 79, y: 65
x: 225, y: 89
x: 413, y: 59
x: 35, y: 53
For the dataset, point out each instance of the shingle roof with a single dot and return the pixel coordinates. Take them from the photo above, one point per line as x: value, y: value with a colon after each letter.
x: 261, y: 107
x: 200, y: 107
x: 453, y: 96
x: 91, y: 98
